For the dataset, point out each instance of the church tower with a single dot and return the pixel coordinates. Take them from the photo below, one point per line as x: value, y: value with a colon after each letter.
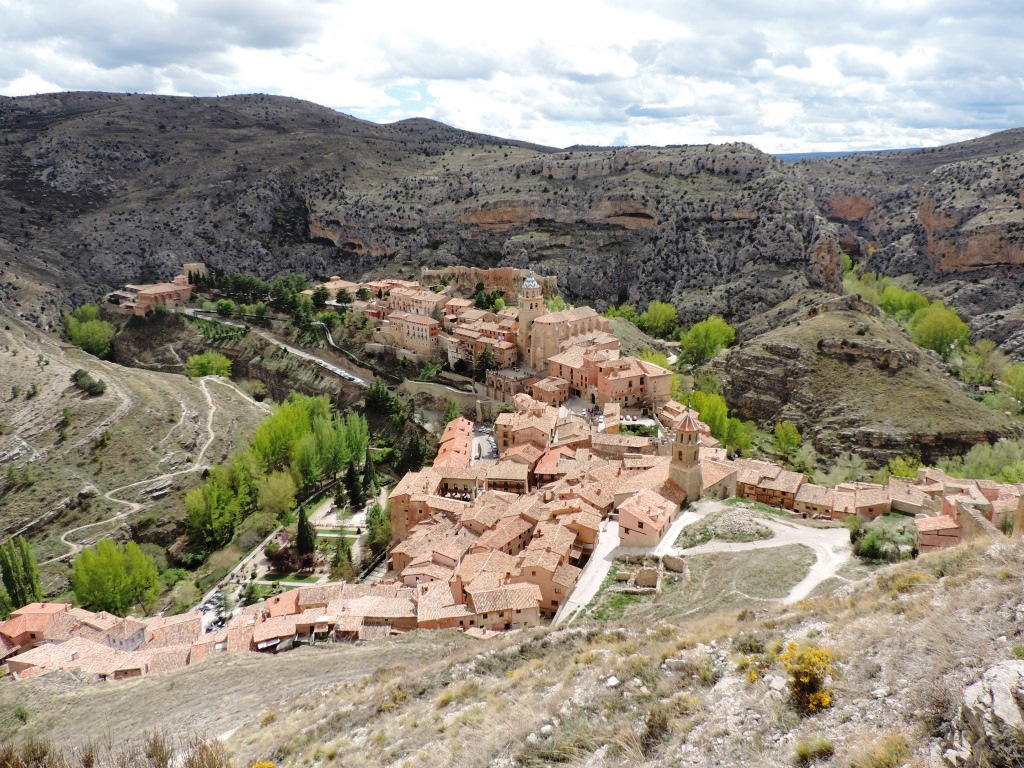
x: 684, y: 470
x: 531, y: 306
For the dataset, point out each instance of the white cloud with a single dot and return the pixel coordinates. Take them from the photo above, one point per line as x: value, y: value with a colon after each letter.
x: 802, y: 75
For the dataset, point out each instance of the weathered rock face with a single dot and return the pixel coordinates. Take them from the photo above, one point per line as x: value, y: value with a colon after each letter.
x: 851, y: 380
x: 140, y: 184
x: 989, y: 729
x: 950, y: 216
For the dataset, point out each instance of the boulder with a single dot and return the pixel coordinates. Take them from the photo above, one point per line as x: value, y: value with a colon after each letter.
x: 989, y: 728
x: 674, y: 564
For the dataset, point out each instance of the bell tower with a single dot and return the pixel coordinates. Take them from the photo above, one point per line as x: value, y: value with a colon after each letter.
x: 531, y: 306
x: 684, y: 470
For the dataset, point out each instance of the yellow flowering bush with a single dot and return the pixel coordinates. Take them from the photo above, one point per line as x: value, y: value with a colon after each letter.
x: 264, y: 764
x: 808, y: 666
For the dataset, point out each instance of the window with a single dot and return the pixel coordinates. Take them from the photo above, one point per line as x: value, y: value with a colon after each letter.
x: 640, y: 524
x: 558, y: 590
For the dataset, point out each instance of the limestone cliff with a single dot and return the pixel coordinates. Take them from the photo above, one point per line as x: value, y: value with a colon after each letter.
x: 111, y: 188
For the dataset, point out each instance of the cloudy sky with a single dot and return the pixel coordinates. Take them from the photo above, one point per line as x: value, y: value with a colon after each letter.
x: 786, y: 75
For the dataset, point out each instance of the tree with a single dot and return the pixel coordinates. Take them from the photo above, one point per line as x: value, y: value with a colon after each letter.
x: 369, y: 473
x: 982, y: 363
x: 84, y: 329
x: 342, y: 568
x: 625, y: 311
x: 1012, y: 382
x: 555, y: 304
x: 378, y: 529
x: 659, y: 319
x: 649, y: 355
x: 904, y: 467
x: 705, y: 339
x: 19, y: 572
x: 276, y: 493
x: 225, y: 307
x: 363, y: 294
x: 451, y: 412
x: 940, y: 329
x: 305, y: 537
x: 343, y: 297
x: 377, y: 398
x: 353, y: 487
x: 208, y: 364
x: 787, y: 438
x: 212, y: 512
x: 484, y: 362
x: 114, y: 577
x: 321, y: 295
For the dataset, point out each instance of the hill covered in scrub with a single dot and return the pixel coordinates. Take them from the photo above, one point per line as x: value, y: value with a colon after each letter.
x: 893, y: 655
x: 117, y: 187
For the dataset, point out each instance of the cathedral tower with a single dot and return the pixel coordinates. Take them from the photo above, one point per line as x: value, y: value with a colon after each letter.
x: 684, y: 470
x: 531, y: 306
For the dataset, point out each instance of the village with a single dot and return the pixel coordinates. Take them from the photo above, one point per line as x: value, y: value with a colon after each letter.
x: 486, y: 544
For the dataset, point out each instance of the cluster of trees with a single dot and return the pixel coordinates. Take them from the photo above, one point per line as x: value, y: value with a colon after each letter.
x: 19, y: 574
x: 412, y: 453
x: 1002, y: 461
x: 659, y: 319
x: 85, y: 382
x: 208, y: 364
x: 85, y: 329
x: 299, y: 447
x: 114, y: 577
x: 492, y: 301
x: 705, y: 339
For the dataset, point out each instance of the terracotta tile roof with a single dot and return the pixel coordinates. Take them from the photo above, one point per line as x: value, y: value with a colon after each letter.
x: 504, y: 533
x: 527, y: 451
x: 508, y: 470
x: 649, y: 508
x: 275, y: 628
x: 434, y: 601
x: 938, y: 523
x: 819, y: 495
x: 712, y: 471
x: 425, y: 481
x: 566, y: 575
x: 783, y: 482
x: 285, y: 604
x: 183, y: 629
x: 549, y: 462
x: 507, y: 597
x: 495, y: 561
x: 126, y: 628
x: 383, y: 607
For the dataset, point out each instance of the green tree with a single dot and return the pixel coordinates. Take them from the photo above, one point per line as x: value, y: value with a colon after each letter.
x: 225, y: 307
x: 451, y: 412
x: 369, y: 473
x: 305, y: 537
x: 342, y: 567
x: 321, y: 295
x: 378, y: 529
x: 659, y: 319
x: 484, y: 362
x: 555, y: 304
x: 904, y: 467
x: 212, y: 512
x: 705, y: 339
x: 343, y: 297
x: 276, y: 493
x: 84, y: 329
x: 353, y: 488
x: 982, y: 363
x: 650, y: 356
x: 306, y: 462
x: 377, y: 398
x: 208, y: 364
x: 787, y: 438
x: 19, y: 572
x: 625, y: 311
x: 363, y: 294
x: 1012, y: 382
x: 940, y: 329
x: 114, y: 577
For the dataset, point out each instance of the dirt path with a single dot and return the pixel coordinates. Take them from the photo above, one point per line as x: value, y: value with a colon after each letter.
x: 831, y: 547
x: 134, y: 506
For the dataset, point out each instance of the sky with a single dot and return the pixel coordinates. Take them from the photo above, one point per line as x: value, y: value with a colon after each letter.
x: 785, y: 76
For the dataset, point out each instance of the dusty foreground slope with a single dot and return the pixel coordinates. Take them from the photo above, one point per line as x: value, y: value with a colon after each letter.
x: 678, y: 691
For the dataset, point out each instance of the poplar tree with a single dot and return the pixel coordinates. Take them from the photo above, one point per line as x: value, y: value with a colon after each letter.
x: 305, y: 539
x: 19, y: 573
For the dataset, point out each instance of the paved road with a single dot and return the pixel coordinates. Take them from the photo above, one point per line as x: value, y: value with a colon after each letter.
x: 831, y: 547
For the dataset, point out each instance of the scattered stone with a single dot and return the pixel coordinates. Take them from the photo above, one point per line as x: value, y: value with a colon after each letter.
x: 612, y: 682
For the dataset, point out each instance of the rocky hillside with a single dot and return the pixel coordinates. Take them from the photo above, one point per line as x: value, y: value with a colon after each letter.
x: 851, y: 380
x: 108, y: 188
x: 951, y: 216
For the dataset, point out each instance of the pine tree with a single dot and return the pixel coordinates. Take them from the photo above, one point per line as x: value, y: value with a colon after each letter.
x: 353, y: 487
x: 305, y: 539
x: 451, y: 412
x: 369, y: 473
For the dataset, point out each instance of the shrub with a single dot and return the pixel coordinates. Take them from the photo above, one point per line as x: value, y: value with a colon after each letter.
x: 887, y: 751
x: 814, y: 748
x: 21, y: 712
x: 808, y: 667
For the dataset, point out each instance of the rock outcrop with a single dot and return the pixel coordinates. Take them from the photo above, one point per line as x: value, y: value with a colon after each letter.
x: 989, y: 728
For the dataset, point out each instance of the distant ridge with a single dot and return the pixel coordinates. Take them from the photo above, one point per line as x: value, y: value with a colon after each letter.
x: 794, y: 157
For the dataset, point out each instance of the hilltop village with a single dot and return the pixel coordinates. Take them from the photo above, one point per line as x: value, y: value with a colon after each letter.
x: 492, y: 544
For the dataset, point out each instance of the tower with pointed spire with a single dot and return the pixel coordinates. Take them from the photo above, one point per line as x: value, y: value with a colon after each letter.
x: 684, y: 469
x: 531, y: 306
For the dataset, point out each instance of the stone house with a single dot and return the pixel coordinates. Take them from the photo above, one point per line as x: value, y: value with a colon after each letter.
x: 940, y: 532
x: 814, y: 501
x: 644, y: 518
